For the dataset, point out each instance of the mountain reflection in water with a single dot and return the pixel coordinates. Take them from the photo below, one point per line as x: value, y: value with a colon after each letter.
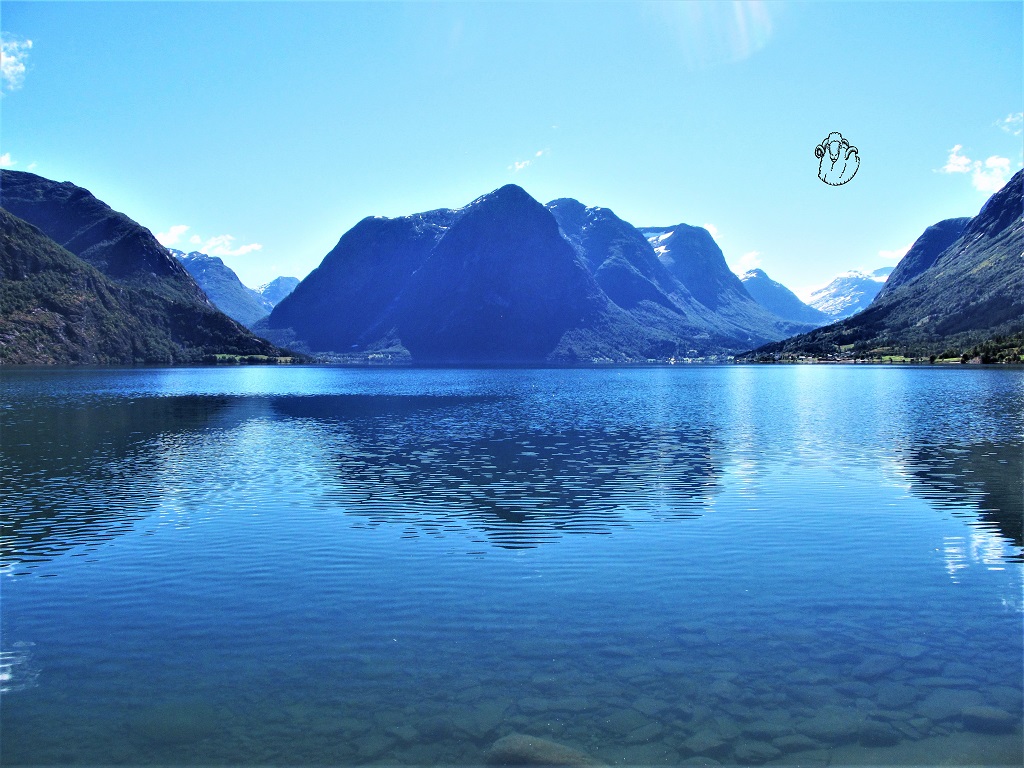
x: 76, y: 475
x: 82, y: 474
x: 982, y: 480
x: 428, y: 468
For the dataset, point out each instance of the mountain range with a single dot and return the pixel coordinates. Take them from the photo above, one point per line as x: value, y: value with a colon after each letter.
x: 506, y: 279
x: 222, y: 286
x: 86, y: 284
x: 961, y: 301
x: 502, y: 280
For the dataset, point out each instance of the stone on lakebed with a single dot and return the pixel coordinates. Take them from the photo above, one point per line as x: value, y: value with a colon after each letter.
x: 988, y: 720
x: 520, y: 749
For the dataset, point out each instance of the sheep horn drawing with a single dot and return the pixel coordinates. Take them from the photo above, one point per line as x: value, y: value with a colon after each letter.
x: 839, y: 161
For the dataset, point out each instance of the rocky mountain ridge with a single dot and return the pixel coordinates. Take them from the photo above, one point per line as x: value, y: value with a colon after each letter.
x: 507, y: 280
x: 87, y: 284
x: 967, y: 303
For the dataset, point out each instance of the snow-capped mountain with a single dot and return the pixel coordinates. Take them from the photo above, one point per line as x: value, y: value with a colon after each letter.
x: 849, y: 292
x: 222, y: 286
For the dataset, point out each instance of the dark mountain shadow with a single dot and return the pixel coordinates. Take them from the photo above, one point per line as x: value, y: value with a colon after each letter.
x: 82, y: 475
x: 74, y: 476
x: 983, y: 482
x: 415, y: 462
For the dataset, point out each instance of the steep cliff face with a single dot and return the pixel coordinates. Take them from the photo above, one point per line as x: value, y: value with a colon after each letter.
x: 973, y: 291
x: 222, y: 286
x: 616, y: 253
x: 693, y: 258
x: 491, y: 282
x: 924, y: 252
x: 89, y: 228
x: 506, y: 279
x: 178, y: 321
x: 779, y: 300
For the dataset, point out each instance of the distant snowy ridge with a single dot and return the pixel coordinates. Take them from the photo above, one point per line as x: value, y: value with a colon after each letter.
x: 849, y: 292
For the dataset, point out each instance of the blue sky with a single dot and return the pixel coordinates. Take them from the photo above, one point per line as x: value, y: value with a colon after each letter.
x: 269, y: 129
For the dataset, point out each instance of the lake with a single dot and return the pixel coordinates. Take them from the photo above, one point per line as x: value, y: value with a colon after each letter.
x: 813, y: 565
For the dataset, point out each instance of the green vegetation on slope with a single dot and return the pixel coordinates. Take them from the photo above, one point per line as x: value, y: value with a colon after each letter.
x: 55, y: 308
x: 968, y: 304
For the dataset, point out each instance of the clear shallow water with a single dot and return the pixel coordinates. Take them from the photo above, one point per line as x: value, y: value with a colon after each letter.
x: 793, y: 565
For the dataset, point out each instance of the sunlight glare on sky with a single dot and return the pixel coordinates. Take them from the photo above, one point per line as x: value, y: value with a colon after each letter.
x: 261, y: 132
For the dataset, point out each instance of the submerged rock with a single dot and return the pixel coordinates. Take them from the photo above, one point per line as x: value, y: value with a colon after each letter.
x: 895, y: 695
x: 875, y: 734
x: 947, y: 704
x: 755, y: 752
x: 988, y: 720
x: 875, y: 667
x: 177, y: 723
x: 911, y: 650
x: 833, y: 726
x: 520, y: 749
x: 795, y: 743
x: 707, y: 743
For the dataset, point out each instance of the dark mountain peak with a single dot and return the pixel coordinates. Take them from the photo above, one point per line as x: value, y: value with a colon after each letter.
x: 59, y: 308
x: 570, y: 214
x: 1000, y: 211
x: 509, y: 194
x: 778, y: 299
x: 78, y: 221
x: 502, y: 284
x: 505, y: 212
x: 924, y: 252
x: 578, y: 222
x: 693, y: 236
x: 566, y: 205
x: 969, y: 295
x: 693, y: 257
x: 570, y: 210
x: 197, y: 256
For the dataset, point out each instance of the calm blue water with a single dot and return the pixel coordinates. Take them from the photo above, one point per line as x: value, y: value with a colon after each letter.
x: 796, y: 565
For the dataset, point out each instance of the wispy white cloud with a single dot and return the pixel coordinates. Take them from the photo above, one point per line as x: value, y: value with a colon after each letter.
x: 13, y: 55
x: 993, y: 176
x: 957, y: 163
x: 32, y: 166
x: 748, y: 261
x: 218, y: 245
x: 1013, y: 123
x: 988, y: 176
x: 172, y: 235
x: 6, y: 161
x: 223, y: 245
x: 894, y: 255
x: 711, y: 228
x: 519, y: 165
